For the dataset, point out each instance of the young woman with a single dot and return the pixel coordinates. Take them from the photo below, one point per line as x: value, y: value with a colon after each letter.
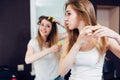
x: 43, y: 51
x: 87, y: 42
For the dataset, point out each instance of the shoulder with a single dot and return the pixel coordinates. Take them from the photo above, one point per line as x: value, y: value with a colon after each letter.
x: 32, y: 42
x: 113, y: 45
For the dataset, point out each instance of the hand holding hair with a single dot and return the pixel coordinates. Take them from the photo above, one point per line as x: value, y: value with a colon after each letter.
x: 59, y: 23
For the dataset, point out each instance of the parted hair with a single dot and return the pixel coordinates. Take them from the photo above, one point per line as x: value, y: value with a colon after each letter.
x: 53, y: 36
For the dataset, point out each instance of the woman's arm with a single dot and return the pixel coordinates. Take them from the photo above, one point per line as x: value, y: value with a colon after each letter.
x: 113, y: 38
x: 67, y: 58
x: 101, y: 31
x: 114, y: 47
x: 62, y: 36
x: 31, y: 56
x: 59, y: 23
x: 117, y: 38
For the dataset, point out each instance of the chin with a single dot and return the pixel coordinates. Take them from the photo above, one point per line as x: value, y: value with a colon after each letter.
x: 43, y: 35
x: 70, y: 28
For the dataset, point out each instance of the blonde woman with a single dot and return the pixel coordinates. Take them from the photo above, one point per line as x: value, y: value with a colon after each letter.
x: 87, y: 42
x: 43, y: 51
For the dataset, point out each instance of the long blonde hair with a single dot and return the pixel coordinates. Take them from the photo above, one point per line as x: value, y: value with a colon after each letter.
x: 85, y: 10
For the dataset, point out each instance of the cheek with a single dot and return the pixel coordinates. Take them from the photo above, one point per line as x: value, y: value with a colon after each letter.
x: 75, y: 23
x: 74, y: 20
x: 49, y: 30
x: 39, y: 29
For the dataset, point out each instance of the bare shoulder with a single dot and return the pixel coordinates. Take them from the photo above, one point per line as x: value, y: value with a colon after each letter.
x: 114, y: 46
x: 112, y: 42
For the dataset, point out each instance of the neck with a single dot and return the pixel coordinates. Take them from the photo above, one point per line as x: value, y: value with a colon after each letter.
x: 44, y: 38
x: 81, y: 26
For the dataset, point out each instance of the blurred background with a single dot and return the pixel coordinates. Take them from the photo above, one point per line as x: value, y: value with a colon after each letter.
x: 18, y: 24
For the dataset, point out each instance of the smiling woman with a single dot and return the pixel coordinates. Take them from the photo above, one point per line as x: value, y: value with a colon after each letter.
x: 43, y: 50
x: 45, y: 7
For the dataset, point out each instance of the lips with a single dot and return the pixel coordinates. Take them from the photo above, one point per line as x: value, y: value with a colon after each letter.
x: 43, y: 31
x: 66, y: 24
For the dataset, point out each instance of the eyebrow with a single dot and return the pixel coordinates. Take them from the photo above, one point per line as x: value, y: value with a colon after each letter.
x: 67, y: 11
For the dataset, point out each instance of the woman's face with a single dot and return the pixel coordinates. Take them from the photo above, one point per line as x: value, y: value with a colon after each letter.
x: 72, y: 19
x: 45, y: 28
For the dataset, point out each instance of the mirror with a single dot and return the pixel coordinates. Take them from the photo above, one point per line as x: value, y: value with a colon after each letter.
x: 54, y: 8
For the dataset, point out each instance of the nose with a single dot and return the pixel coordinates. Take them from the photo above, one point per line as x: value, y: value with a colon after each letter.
x: 43, y: 27
x: 65, y: 18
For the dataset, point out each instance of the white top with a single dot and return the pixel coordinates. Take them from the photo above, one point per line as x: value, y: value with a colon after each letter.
x: 46, y: 68
x: 87, y: 66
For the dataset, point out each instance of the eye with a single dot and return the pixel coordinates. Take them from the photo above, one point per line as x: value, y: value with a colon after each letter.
x: 42, y: 24
x: 67, y: 14
x: 48, y: 26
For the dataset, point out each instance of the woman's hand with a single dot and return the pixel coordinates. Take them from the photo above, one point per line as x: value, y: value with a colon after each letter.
x: 84, y: 34
x: 59, y: 23
x: 101, y: 31
x: 56, y: 48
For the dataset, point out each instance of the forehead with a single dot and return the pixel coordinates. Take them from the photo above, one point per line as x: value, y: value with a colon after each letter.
x: 69, y: 8
x: 46, y: 22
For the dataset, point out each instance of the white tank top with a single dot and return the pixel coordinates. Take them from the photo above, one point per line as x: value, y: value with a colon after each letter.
x: 46, y: 68
x: 87, y: 66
